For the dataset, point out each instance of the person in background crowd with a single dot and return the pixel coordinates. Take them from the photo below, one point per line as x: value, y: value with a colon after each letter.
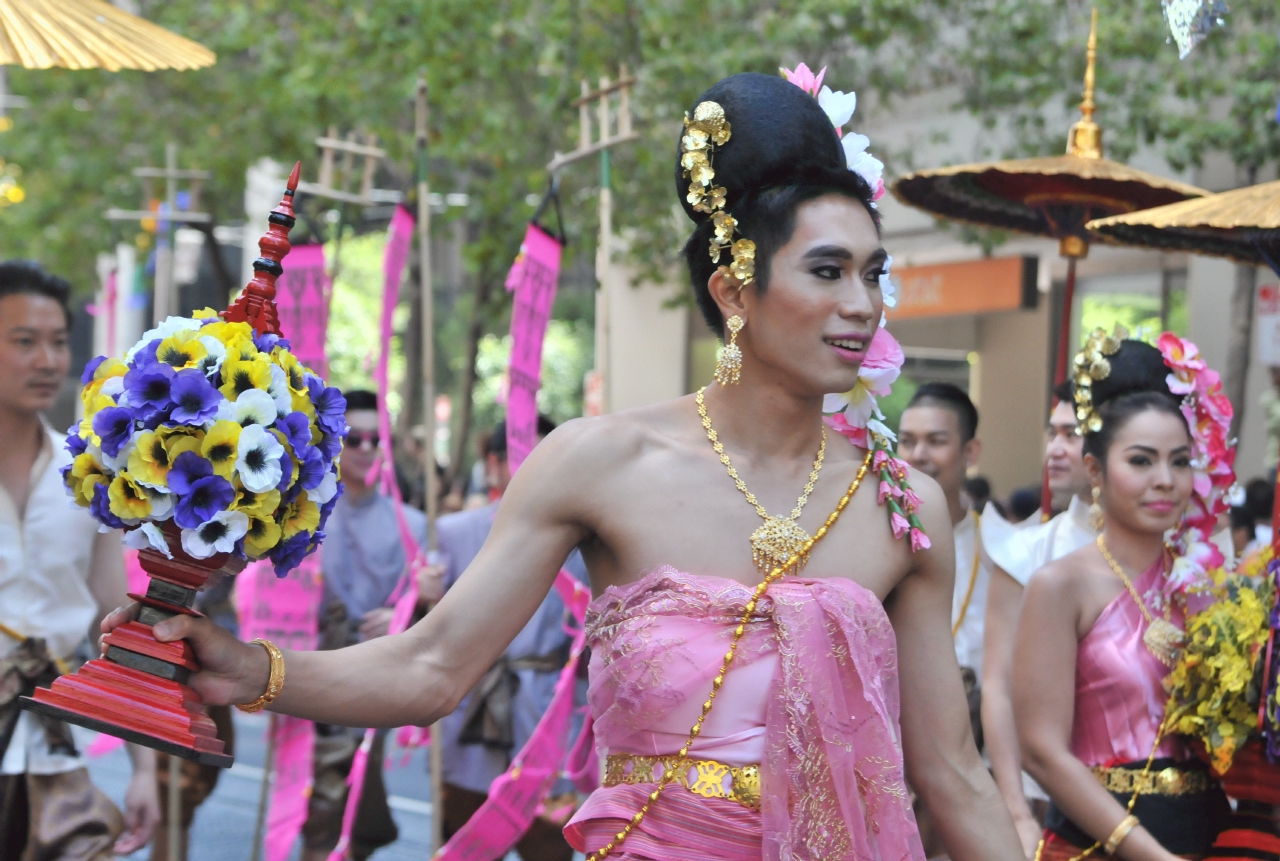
x: 1243, y: 530
x: 1024, y: 504
x: 362, y: 559
x: 1259, y: 499
x: 936, y: 435
x: 478, y: 491
x: 58, y: 577
x: 978, y: 489
x: 496, y: 719
x: 1017, y: 553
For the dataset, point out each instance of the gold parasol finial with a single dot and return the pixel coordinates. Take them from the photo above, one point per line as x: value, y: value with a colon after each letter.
x: 1085, y: 138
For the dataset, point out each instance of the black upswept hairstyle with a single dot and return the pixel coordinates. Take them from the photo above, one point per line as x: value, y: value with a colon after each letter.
x: 953, y: 398
x: 1137, y: 383
x: 19, y: 277
x: 782, y: 153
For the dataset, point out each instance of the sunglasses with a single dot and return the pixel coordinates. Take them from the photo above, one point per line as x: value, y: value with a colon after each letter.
x: 358, y: 439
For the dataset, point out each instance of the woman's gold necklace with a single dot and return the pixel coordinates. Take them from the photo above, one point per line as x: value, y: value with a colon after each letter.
x: 779, y: 538
x: 1162, y: 638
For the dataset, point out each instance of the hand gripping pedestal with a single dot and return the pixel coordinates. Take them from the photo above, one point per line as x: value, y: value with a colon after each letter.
x: 138, y: 690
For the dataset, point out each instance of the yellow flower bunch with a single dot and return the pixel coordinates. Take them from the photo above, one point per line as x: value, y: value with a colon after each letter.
x: 1214, y: 689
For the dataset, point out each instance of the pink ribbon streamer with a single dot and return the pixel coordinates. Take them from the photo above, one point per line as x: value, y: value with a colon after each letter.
x: 302, y: 301
x: 533, y: 279
x: 516, y: 797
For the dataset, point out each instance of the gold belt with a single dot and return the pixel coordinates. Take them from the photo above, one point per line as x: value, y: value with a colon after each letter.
x: 704, y: 777
x: 1166, y: 781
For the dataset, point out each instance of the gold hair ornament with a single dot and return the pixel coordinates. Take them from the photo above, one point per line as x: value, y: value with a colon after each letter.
x: 707, y: 130
x: 1091, y: 365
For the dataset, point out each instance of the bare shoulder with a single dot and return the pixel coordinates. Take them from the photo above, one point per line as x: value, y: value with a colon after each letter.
x: 1063, y: 579
x: 611, y: 441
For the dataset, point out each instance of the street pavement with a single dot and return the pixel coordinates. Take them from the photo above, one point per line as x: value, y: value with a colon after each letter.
x: 224, y: 824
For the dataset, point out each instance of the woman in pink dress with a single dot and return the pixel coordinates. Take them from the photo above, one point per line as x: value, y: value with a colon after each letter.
x: 844, y: 679
x: 1100, y: 629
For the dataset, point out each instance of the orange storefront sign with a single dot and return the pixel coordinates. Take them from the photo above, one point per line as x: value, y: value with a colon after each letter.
x: 971, y: 287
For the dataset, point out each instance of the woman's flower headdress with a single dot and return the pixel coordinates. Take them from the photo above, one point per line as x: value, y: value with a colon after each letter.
x: 707, y: 130
x: 1092, y: 365
x: 839, y: 107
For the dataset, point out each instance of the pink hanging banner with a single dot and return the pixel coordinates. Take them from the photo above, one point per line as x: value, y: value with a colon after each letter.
x: 302, y: 301
x: 533, y: 279
x: 517, y: 796
x: 286, y: 611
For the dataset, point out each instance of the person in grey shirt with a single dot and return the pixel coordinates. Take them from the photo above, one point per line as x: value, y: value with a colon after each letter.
x: 497, y: 717
x: 362, y: 560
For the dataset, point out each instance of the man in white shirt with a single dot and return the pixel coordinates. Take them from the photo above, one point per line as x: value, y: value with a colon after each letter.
x: 58, y: 577
x: 1017, y: 552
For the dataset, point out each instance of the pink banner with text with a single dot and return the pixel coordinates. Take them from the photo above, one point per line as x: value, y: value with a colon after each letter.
x: 533, y: 280
x: 302, y: 301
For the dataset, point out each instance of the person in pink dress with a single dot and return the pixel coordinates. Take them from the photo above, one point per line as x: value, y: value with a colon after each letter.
x: 1100, y: 629
x: 843, y: 679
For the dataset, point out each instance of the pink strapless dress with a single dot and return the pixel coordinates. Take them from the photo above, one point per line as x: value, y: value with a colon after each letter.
x: 812, y: 696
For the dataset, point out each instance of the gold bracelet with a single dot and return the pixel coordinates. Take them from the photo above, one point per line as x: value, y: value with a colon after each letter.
x: 1122, y: 831
x: 275, y: 682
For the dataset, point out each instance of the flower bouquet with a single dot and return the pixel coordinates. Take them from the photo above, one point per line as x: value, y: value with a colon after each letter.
x: 209, y: 445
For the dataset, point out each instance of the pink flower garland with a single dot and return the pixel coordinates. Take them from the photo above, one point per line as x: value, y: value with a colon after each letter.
x: 1208, y: 413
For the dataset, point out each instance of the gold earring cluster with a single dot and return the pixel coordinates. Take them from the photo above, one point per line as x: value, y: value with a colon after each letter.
x: 729, y: 362
x: 1096, y: 521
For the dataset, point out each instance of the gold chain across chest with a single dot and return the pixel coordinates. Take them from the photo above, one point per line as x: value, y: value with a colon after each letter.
x: 1162, y: 638
x: 778, y: 538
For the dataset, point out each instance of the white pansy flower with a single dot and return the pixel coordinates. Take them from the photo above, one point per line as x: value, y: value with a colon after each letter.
x: 838, y: 106
x: 147, y: 536
x: 253, y: 407
x: 169, y: 326
x: 258, y: 458
x: 161, y: 502
x: 325, y: 490
x: 112, y: 387
x: 215, y: 354
x: 219, y: 534
x: 279, y: 390
x: 887, y: 289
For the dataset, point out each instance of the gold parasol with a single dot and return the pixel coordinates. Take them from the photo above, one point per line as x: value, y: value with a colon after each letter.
x: 1053, y: 196
x: 90, y: 34
x: 1242, y: 224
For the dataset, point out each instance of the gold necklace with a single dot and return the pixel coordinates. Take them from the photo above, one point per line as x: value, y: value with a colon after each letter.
x: 1162, y: 638
x: 795, y: 560
x: 778, y: 539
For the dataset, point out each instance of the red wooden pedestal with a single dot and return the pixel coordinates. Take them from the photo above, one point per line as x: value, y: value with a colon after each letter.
x: 138, y: 690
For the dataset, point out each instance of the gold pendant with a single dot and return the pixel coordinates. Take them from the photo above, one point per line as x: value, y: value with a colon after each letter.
x: 1164, y: 640
x: 776, y: 541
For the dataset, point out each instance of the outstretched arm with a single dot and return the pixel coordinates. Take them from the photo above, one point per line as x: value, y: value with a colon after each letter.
x: 941, y: 757
x: 1004, y: 600
x: 415, y: 677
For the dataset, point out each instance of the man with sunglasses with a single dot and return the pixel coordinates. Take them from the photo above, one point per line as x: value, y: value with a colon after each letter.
x: 362, y: 560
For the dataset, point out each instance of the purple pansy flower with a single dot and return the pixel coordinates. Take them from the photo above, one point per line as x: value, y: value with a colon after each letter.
x: 266, y: 342
x: 296, y: 429
x: 100, y: 508
x: 201, y: 494
x: 331, y: 406
x: 75, y: 444
x: 114, y: 425
x: 287, y: 555
x: 146, y: 355
x: 311, y: 467
x: 86, y: 376
x: 149, y: 386
x: 195, y: 401
x: 187, y: 469
x: 286, y: 472
x: 326, y: 510
x: 331, y: 445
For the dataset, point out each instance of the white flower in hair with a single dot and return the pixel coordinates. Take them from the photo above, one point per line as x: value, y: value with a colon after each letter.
x: 838, y: 106
x: 887, y: 289
x: 864, y: 163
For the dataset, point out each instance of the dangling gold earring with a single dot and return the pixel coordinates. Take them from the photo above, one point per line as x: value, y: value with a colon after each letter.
x: 1095, y: 511
x: 729, y: 364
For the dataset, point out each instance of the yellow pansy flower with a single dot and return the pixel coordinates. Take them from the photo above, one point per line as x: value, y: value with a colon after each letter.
x: 204, y: 314
x: 293, y: 370
x: 181, y: 350
x: 219, y: 447
x: 301, y: 403
x: 84, y: 474
x: 128, y: 500
x: 301, y: 514
x: 89, y: 395
x: 256, y: 504
x: 241, y: 347
x: 228, y: 332
x: 240, y: 375
x: 264, y: 534
x: 156, y: 451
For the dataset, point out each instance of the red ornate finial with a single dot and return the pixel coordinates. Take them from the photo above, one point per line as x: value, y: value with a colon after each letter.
x: 257, y: 304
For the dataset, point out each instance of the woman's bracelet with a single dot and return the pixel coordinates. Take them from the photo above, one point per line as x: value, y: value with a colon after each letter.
x: 1122, y: 831
x: 275, y: 682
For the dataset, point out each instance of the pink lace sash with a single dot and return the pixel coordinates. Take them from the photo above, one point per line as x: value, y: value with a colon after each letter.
x: 824, y: 719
